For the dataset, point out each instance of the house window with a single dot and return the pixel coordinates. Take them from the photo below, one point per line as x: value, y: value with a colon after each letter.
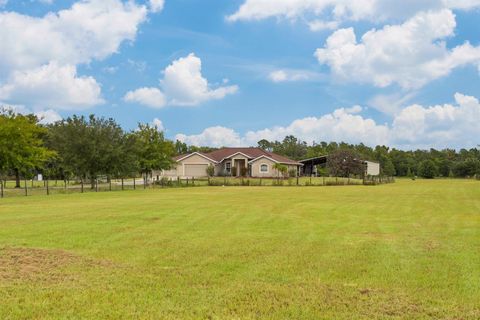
x: 228, y: 167
x: 264, y: 168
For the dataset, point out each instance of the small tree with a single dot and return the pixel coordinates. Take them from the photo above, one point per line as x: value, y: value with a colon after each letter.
x: 210, y: 171
x: 427, y: 169
x: 344, y: 163
x: 281, y: 169
x: 292, y: 173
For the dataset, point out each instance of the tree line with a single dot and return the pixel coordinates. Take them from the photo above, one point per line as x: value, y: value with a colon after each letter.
x: 85, y: 147
x: 79, y: 148
x: 394, y: 162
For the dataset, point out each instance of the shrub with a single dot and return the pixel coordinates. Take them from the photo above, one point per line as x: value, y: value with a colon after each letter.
x: 243, y: 171
x: 292, y: 173
x: 210, y: 171
x: 234, y: 171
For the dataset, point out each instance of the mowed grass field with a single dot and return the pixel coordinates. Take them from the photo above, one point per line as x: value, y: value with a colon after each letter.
x: 409, y: 250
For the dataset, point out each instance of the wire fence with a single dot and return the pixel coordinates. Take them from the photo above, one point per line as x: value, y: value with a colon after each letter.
x: 9, y: 188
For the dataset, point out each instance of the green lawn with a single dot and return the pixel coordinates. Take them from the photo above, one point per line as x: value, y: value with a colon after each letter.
x: 409, y: 250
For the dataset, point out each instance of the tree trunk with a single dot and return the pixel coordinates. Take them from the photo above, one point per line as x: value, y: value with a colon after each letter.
x: 17, y: 178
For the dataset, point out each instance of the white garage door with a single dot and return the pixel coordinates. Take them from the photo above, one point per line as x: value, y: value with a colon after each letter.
x: 196, y: 170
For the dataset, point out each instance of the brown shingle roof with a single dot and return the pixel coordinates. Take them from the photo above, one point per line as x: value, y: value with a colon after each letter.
x: 251, y: 153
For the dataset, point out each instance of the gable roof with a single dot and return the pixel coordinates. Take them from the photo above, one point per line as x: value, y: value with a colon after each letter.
x: 185, y: 156
x: 251, y: 153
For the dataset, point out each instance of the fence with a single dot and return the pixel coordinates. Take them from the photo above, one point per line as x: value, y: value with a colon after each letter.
x: 51, y: 187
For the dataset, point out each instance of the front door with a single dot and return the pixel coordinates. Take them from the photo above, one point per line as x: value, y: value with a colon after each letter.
x: 240, y: 164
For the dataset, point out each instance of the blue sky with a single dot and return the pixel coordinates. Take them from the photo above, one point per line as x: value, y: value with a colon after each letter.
x: 243, y: 70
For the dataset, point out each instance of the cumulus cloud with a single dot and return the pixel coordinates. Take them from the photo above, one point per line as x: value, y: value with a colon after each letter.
x: 449, y: 125
x: 328, y: 14
x: 52, y: 85
x: 440, y: 125
x: 182, y: 85
x: 340, y: 125
x: 43, y: 52
x: 88, y: 30
x: 410, y: 55
x: 213, y: 136
x: 151, y: 97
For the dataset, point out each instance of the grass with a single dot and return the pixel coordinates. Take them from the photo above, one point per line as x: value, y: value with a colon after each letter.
x: 409, y: 250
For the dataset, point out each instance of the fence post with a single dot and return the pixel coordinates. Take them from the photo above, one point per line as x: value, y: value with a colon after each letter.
x: 134, y: 183
x: 224, y: 180
x: 1, y: 183
x: 260, y: 181
x: 65, y: 185
x: 145, y: 182
x: 209, y: 180
x: 122, y: 184
x: 48, y: 189
x: 96, y: 184
x: 187, y: 181
x: 297, y: 179
x: 26, y: 188
x: 110, y: 185
x: 193, y: 181
x: 81, y: 185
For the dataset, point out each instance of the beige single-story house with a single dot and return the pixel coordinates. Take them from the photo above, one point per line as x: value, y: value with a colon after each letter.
x: 251, y: 162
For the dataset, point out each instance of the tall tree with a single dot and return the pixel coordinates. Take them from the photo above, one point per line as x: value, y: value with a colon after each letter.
x: 22, y: 148
x: 153, y: 150
x: 88, y: 147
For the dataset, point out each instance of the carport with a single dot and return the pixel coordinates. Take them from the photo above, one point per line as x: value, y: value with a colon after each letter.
x: 310, y: 165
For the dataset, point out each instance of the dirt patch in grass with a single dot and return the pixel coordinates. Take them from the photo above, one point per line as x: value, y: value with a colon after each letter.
x: 20, y: 265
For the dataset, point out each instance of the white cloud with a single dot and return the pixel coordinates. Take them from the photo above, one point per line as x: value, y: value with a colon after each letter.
x: 411, y: 54
x: 213, y: 136
x: 48, y: 116
x: 89, y: 30
x: 414, y: 127
x: 183, y: 85
x: 52, y: 86
x: 328, y: 14
x: 39, y: 67
x: 340, y: 125
x: 151, y: 97
x: 158, y: 124
x: 290, y: 75
x: 441, y: 126
x: 156, y: 5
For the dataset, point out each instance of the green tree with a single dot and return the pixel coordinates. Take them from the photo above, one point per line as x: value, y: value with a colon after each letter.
x: 427, y: 169
x: 22, y: 148
x: 281, y: 169
x: 265, y: 145
x: 89, y: 147
x: 154, y: 152
x: 344, y: 163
